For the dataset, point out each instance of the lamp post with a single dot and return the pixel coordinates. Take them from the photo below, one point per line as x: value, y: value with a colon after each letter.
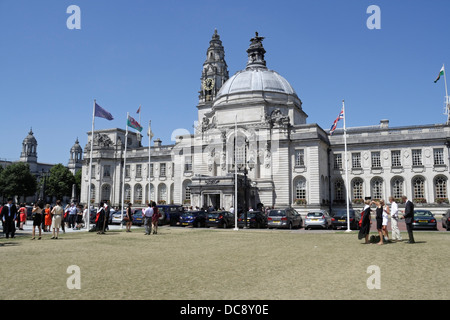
x: 243, y: 168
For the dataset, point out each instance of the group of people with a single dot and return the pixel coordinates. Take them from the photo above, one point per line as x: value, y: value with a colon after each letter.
x: 151, y: 217
x: 382, y: 213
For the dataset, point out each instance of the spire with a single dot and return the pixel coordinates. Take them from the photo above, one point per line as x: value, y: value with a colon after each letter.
x: 256, y: 53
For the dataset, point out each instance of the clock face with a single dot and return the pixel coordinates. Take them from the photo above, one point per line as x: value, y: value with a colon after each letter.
x: 208, y: 84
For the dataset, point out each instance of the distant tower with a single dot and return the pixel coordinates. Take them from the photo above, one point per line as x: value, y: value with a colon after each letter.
x: 215, y: 71
x: 76, y: 158
x: 29, y: 151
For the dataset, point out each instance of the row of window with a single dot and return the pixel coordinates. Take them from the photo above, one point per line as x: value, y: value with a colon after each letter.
x: 138, y: 194
x: 396, y: 159
x: 397, y: 189
x: 107, y: 171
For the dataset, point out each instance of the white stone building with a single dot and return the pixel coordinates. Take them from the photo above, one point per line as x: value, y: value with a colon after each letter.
x: 281, y: 159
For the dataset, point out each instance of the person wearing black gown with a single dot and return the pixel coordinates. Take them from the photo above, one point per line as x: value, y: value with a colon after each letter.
x: 100, y: 219
x: 365, y: 223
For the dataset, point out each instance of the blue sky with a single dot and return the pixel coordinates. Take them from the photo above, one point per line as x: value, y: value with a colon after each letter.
x: 150, y: 53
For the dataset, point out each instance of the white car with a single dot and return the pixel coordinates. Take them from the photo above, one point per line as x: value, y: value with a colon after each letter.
x: 318, y: 219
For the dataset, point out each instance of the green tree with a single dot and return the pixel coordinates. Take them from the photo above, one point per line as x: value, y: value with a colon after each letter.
x: 59, y: 183
x: 17, y: 180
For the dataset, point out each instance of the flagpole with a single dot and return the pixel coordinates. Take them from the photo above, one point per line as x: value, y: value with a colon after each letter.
x: 149, y: 160
x: 446, y: 95
x: 124, y: 169
x: 346, y: 170
x: 90, y: 168
x: 235, y: 176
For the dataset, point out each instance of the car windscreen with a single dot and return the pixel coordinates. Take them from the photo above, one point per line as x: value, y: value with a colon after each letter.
x: 277, y: 213
x: 315, y: 214
x: 423, y: 213
x: 343, y: 213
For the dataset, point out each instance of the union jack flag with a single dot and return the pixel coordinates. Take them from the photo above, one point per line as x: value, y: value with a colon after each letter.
x: 340, y: 116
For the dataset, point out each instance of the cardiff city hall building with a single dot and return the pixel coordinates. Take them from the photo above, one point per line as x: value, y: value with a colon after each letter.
x: 252, y: 131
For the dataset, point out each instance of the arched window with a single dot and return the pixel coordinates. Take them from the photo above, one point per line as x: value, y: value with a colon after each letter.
x: 300, y: 190
x: 440, y: 188
x: 377, y: 188
x: 357, y: 189
x: 418, y: 184
x: 92, y: 195
x: 127, y: 193
x: 162, y: 193
x: 339, y: 190
x: 137, y: 194
x: 397, y: 187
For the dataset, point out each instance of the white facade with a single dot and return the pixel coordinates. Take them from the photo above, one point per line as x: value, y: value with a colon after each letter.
x: 288, y: 162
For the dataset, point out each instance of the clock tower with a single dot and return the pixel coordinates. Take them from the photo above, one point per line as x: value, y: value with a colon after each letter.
x: 214, y: 73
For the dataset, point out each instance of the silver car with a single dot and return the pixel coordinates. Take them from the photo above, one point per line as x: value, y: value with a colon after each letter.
x: 318, y: 219
x: 284, y: 218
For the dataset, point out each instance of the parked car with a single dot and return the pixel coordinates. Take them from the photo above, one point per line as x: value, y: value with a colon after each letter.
x: 255, y: 219
x: 446, y: 220
x: 284, y: 218
x: 170, y: 214
x: 424, y: 219
x: 223, y: 219
x: 116, y: 217
x: 339, y: 219
x: 193, y: 218
x: 138, y: 218
x: 319, y: 218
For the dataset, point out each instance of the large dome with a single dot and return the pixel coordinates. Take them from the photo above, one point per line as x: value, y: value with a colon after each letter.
x: 256, y: 79
x: 256, y: 82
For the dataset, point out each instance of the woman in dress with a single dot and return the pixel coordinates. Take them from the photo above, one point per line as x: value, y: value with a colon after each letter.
x: 155, y: 218
x: 57, y: 213
x: 379, y: 218
x: 386, y: 213
x: 37, y: 218
x: 48, y: 218
x: 22, y: 215
x: 129, y: 220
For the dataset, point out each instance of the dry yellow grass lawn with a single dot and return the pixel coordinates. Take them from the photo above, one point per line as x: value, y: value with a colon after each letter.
x: 204, y: 264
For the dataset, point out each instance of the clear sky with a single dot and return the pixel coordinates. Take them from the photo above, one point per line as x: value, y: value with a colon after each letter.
x: 150, y: 53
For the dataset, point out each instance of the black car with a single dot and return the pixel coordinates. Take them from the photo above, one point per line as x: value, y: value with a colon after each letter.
x: 193, y: 218
x: 339, y: 219
x: 446, y: 220
x: 223, y: 219
x: 170, y: 214
x: 255, y: 219
x: 424, y: 219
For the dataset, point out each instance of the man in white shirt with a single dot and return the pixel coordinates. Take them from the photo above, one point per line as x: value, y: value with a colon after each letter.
x: 396, y: 236
x: 148, y: 213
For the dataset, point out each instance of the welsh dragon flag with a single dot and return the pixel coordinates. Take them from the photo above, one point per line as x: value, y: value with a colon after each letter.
x: 441, y: 73
x: 134, y: 124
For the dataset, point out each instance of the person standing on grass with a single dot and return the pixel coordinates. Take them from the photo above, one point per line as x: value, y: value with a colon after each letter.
x: 22, y: 216
x: 396, y: 236
x: 129, y: 219
x: 57, y: 214
x: 37, y: 218
x: 386, y: 212
x: 155, y: 218
x: 409, y: 218
x: 9, y: 214
x: 379, y: 219
x: 365, y: 222
x: 100, y: 219
x: 148, y: 213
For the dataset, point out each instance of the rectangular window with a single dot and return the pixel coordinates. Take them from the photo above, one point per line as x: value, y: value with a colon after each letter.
x: 356, y: 160
x: 162, y: 170
x: 376, y: 160
x: 107, y: 171
x: 150, y: 171
x: 396, y: 158
x: 299, y: 158
x: 438, y: 156
x: 417, y: 157
x: 139, y: 171
x: 127, y: 171
x: 188, y: 164
x: 337, y: 161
